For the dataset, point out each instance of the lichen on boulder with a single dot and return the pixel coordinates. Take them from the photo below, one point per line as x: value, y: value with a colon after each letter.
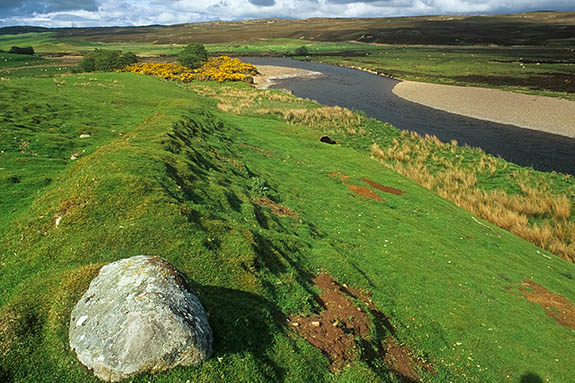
x: 139, y: 315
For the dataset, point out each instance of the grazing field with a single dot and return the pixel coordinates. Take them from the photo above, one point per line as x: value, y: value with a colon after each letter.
x: 233, y: 186
x: 8, y: 60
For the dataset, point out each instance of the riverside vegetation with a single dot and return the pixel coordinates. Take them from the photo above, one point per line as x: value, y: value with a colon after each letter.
x: 232, y: 186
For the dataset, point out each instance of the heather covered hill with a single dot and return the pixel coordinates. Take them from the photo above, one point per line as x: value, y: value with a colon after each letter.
x: 536, y: 28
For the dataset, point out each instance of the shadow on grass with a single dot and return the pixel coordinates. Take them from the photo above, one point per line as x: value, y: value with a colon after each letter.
x: 244, y: 322
x: 5, y: 376
x: 531, y: 378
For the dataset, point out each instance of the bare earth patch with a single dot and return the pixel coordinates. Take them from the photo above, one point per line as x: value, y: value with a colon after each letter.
x: 556, y: 306
x: 359, y: 190
x: 364, y: 191
x: 275, y: 208
x: 342, y: 327
x: 383, y: 188
x: 546, y: 114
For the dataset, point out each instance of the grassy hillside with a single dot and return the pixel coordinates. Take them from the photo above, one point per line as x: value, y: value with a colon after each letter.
x: 251, y: 208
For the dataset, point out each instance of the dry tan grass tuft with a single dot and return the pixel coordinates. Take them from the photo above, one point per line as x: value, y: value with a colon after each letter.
x: 535, y: 214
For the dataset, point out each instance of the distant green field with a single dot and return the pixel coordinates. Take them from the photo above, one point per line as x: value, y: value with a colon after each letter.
x: 167, y: 172
x: 286, y: 47
x: 45, y: 42
x: 8, y: 60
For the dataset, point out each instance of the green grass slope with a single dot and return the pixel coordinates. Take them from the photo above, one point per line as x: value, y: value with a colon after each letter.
x: 165, y: 173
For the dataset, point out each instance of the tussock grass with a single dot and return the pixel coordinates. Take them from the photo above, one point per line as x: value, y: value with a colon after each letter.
x: 535, y: 213
x: 245, y: 101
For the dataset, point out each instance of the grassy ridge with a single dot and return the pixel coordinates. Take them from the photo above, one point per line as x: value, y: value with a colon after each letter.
x: 170, y: 173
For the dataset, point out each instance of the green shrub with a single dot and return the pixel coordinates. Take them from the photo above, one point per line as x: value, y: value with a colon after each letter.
x: 301, y: 51
x: 193, y: 55
x: 21, y: 50
x: 106, y: 60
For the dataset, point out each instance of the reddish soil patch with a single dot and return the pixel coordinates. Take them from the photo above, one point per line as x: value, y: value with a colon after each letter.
x: 556, y: 306
x: 338, y: 175
x: 383, y: 188
x: 275, y: 208
x: 400, y: 359
x: 356, y: 189
x: 364, y: 192
x: 333, y: 331
x: 341, y: 325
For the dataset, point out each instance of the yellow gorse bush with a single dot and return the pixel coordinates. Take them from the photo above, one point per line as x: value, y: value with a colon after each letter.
x: 219, y: 69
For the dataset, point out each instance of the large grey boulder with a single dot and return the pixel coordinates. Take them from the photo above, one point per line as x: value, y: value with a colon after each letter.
x: 139, y: 315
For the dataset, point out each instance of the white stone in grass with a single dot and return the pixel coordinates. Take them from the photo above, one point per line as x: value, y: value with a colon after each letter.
x: 139, y: 315
x: 85, y: 135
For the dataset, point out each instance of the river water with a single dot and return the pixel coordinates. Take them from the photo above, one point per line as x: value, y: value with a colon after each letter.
x: 373, y: 95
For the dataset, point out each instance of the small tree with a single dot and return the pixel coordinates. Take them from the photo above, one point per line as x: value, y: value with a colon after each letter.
x: 106, y: 61
x: 21, y: 50
x: 301, y: 51
x: 193, y: 55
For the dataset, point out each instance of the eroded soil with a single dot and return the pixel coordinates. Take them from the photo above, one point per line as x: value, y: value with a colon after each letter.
x: 275, y: 208
x: 364, y: 191
x: 383, y: 188
x: 345, y: 330
x: 556, y: 306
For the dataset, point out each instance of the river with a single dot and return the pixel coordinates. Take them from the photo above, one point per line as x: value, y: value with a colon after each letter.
x: 372, y: 94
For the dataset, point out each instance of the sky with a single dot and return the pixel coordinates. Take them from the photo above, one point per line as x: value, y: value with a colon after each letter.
x: 87, y: 13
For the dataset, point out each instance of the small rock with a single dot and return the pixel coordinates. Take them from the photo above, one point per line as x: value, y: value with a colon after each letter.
x: 327, y: 140
x: 85, y: 135
x: 139, y: 315
x: 315, y: 324
x: 74, y: 157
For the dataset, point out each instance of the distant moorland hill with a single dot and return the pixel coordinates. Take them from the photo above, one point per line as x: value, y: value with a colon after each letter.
x: 534, y: 28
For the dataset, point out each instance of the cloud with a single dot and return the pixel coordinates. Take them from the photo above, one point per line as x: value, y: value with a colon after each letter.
x: 29, y: 7
x: 263, y: 3
x: 58, y: 13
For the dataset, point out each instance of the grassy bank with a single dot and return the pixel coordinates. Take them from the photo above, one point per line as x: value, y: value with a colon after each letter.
x: 534, y: 205
x: 234, y: 188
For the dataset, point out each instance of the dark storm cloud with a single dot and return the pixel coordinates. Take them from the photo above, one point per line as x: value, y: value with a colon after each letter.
x: 28, y: 7
x: 263, y: 3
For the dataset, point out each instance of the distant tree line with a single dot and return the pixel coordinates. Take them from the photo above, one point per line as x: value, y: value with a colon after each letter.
x: 20, y: 50
x: 105, y: 60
